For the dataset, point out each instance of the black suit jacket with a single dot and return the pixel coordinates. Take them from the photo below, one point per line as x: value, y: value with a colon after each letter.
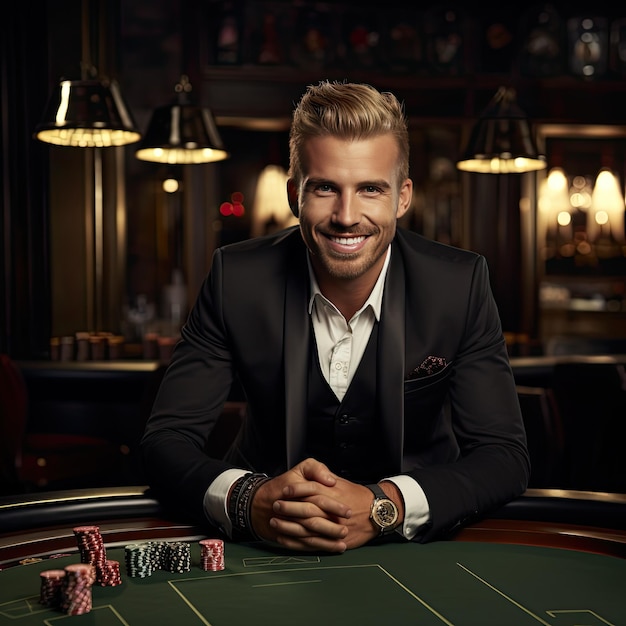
x: 459, y: 432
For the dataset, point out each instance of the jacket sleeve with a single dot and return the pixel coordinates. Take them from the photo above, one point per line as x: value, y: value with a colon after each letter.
x: 188, y: 404
x: 491, y: 465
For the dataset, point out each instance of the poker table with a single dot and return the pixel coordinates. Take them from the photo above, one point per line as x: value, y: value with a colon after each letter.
x: 550, y: 557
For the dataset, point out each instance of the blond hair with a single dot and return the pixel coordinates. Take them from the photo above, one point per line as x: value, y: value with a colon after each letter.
x: 347, y: 111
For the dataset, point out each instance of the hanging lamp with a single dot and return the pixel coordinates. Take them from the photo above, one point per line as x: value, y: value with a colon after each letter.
x: 501, y: 142
x: 181, y: 133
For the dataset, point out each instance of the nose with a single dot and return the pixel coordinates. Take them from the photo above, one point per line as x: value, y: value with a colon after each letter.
x: 346, y: 212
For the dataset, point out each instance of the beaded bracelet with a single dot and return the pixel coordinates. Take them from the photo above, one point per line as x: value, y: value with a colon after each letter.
x: 247, y: 495
x: 240, y: 505
x: 234, y: 495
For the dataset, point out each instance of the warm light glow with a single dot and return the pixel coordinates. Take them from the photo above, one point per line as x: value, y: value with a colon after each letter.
x: 87, y: 137
x: 501, y: 166
x: 170, y: 185
x: 65, y: 102
x: 580, y: 193
x: 552, y: 200
x: 553, y: 193
x: 183, y: 156
x: 606, y: 198
x: 602, y: 217
x: 271, y: 207
x: 564, y: 218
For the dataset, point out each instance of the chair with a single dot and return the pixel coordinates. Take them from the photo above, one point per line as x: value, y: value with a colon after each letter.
x: 591, y: 397
x: 544, y: 432
x: 36, y: 461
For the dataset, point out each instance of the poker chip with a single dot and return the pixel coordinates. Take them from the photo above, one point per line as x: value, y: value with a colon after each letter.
x: 178, y: 557
x: 109, y: 574
x: 93, y: 552
x: 212, y: 555
x: 143, y: 559
x: 70, y: 589
x: 51, y: 591
x: 139, y: 560
x: 76, y: 594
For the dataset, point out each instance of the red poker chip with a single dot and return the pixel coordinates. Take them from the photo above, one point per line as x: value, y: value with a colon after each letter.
x: 212, y: 555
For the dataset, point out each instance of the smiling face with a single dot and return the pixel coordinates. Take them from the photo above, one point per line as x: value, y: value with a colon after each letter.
x: 349, y: 203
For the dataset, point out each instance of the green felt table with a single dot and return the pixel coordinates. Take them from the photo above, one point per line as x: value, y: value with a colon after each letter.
x: 453, y: 583
x: 551, y: 558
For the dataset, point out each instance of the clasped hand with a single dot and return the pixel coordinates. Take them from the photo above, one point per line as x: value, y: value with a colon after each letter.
x: 309, y: 508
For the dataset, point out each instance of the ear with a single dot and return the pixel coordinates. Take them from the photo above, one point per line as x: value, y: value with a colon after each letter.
x: 292, y: 197
x: 404, y: 199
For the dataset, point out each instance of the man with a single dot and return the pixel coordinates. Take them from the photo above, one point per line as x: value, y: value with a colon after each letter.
x: 379, y: 393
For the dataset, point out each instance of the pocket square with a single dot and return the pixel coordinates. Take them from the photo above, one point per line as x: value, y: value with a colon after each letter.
x: 429, y: 366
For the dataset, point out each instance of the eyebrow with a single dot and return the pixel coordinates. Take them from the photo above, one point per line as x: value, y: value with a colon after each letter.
x: 313, y: 182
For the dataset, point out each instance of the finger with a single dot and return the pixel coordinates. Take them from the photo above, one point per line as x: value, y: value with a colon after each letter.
x: 315, y: 470
x: 314, y: 526
x: 313, y: 506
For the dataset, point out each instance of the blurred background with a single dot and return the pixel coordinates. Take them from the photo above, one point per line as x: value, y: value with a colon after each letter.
x: 104, y: 251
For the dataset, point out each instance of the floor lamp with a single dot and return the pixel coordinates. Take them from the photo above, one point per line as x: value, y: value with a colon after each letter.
x: 91, y: 114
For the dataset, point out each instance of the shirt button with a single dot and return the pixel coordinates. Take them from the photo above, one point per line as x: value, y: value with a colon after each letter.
x: 338, y: 366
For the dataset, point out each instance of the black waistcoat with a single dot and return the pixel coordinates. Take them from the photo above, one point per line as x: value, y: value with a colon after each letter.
x: 346, y: 435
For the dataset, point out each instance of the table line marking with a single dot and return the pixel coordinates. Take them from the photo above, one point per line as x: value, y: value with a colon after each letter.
x: 422, y: 602
x: 260, y: 561
x: 30, y: 602
x: 425, y: 604
x: 554, y: 613
x: 501, y: 593
x: 48, y: 622
x: 299, y: 582
x: 189, y: 604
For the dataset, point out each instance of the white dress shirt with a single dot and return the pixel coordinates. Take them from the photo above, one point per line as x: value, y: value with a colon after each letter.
x: 340, y: 344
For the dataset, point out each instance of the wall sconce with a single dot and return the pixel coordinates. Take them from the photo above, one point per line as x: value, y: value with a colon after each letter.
x: 599, y: 231
x: 181, y: 133
x: 501, y: 142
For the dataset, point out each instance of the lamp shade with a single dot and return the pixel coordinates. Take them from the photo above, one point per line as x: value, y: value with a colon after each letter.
x: 501, y: 142
x: 85, y: 114
x: 181, y: 133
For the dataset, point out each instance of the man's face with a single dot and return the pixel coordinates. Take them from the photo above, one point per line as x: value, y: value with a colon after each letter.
x: 349, y: 204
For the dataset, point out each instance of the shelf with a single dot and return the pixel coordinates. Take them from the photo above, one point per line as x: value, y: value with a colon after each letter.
x: 237, y: 93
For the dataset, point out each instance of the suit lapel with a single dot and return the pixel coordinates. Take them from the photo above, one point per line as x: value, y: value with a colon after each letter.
x: 297, y: 338
x: 391, y: 360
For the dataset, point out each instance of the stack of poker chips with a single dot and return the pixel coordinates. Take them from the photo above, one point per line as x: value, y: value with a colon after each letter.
x: 51, y: 592
x: 93, y: 552
x: 68, y: 589
x: 212, y: 555
x: 76, y: 594
x: 142, y: 559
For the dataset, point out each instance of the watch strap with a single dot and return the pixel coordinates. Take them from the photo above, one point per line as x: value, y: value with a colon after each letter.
x: 376, y: 489
x: 379, y: 494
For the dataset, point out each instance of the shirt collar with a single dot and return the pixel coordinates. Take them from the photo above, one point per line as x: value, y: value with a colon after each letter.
x: 375, y: 299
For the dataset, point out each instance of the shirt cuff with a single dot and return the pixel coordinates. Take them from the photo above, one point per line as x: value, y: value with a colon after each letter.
x: 216, y: 499
x: 416, y: 509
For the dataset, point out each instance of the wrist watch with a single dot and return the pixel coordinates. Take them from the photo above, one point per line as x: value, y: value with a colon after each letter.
x: 384, y: 512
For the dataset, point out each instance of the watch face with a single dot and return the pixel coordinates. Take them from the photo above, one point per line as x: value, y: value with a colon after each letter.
x: 385, y: 513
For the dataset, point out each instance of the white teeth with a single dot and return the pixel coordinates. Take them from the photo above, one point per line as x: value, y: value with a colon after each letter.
x: 347, y: 241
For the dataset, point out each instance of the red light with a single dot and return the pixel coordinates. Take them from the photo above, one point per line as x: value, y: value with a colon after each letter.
x: 237, y: 197
x: 238, y: 210
x: 226, y: 208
